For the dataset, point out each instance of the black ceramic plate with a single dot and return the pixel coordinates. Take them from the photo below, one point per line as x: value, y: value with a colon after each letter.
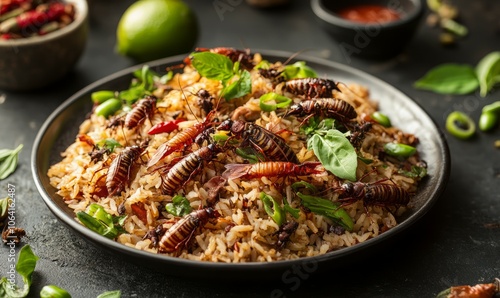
x: 60, y: 130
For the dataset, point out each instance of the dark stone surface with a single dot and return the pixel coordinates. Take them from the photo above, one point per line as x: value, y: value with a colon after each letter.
x: 457, y: 242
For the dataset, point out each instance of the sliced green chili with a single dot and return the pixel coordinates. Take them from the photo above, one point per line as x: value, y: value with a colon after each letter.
x: 487, y: 121
x: 302, y: 184
x: 293, y: 211
x: 381, y: 119
x: 399, y: 150
x: 492, y: 108
x: 108, y: 108
x: 279, y: 101
x: 101, y: 96
x: 460, y: 125
x: 273, y: 208
x: 98, y: 220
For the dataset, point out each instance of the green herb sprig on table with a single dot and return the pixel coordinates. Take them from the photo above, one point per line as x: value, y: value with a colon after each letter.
x: 453, y: 78
x: 8, y: 161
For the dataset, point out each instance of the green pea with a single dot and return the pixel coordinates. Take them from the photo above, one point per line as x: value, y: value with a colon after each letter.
x: 52, y: 291
x: 109, y: 107
x: 382, y: 119
x: 487, y: 121
x: 460, y: 125
x: 492, y: 108
x: 101, y: 96
x: 399, y: 150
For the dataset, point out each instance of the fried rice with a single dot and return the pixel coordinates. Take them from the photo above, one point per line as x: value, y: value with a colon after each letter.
x: 244, y: 231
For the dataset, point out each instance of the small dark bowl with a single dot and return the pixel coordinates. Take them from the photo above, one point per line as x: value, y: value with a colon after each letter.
x: 35, y: 62
x: 370, y: 40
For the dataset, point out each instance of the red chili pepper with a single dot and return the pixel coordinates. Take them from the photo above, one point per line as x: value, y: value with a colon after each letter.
x: 12, y: 4
x: 39, y: 18
x: 165, y: 127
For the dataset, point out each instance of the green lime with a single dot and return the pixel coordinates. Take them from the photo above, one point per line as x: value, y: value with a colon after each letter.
x: 153, y: 29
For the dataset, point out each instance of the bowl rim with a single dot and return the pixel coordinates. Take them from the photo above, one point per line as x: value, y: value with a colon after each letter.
x: 330, y: 17
x: 81, y: 13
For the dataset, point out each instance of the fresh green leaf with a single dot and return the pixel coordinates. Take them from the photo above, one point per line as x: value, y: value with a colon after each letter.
x: 327, y: 208
x: 415, y: 172
x: 273, y: 209
x: 449, y: 79
x: 299, y: 70
x: 180, y: 206
x: 249, y: 154
x: 213, y: 66
x: 238, y: 88
x: 311, y: 126
x: 132, y: 94
x: 4, y: 153
x: 488, y: 72
x: 272, y: 101
x: 111, y: 294
x: 9, y: 164
x: 52, y: 291
x: 4, y: 208
x: 25, y: 266
x: 335, y: 153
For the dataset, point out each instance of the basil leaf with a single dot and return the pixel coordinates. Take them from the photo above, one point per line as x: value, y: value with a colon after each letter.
x: 449, y: 79
x: 415, y: 172
x: 179, y: 207
x: 488, y: 72
x: 327, y: 208
x: 213, y: 66
x: 9, y: 164
x: 25, y: 266
x: 311, y: 126
x: 238, y: 88
x: 299, y: 70
x: 4, y: 208
x: 335, y: 153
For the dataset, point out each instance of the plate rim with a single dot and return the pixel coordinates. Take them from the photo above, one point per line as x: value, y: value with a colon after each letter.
x: 282, y: 264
